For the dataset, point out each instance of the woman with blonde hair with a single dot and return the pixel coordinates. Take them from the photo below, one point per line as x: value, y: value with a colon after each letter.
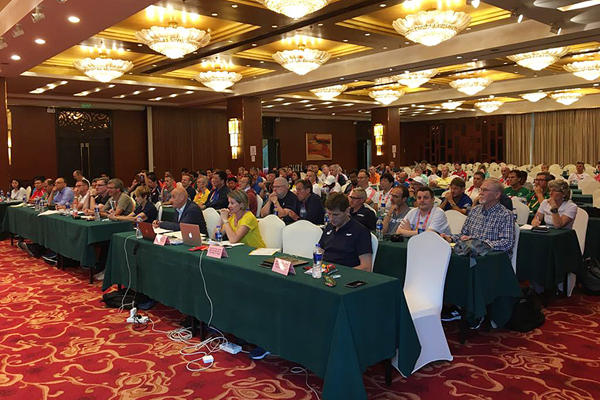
x: 239, y: 223
x: 558, y: 211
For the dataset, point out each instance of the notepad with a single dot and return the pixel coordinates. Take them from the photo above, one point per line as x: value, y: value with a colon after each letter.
x: 265, y: 251
x: 160, y: 231
x: 526, y: 227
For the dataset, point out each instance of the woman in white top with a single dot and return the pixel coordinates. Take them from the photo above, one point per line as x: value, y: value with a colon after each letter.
x: 17, y: 192
x: 557, y: 211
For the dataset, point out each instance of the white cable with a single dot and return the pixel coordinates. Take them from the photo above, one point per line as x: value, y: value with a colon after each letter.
x: 129, y: 270
x: 298, y: 370
x: 205, y: 289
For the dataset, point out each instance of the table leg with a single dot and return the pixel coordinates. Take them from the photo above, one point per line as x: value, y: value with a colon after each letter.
x: 388, y: 372
x: 12, y: 239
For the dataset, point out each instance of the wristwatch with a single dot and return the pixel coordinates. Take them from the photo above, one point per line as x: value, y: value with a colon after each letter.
x: 554, y: 210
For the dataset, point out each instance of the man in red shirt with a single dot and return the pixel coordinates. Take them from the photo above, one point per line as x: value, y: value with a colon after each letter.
x: 458, y: 171
x: 38, y: 191
x: 246, y: 186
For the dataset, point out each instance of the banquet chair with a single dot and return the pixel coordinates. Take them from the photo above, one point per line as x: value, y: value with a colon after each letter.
x: 588, y: 185
x: 212, y: 218
x: 522, y: 211
x: 374, y: 247
x: 299, y: 238
x: 437, y: 201
x: 259, y: 205
x: 596, y: 198
x: 424, y: 292
x: 580, y: 227
x: 513, y: 258
x: 271, y: 228
x: 456, y: 220
x: 159, y: 207
x: 28, y: 191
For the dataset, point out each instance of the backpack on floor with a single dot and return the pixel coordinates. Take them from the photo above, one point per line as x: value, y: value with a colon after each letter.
x: 123, y: 297
x: 527, y: 314
x: 591, y: 276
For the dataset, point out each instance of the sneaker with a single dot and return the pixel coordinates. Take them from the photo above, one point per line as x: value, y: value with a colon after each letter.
x: 50, y: 259
x: 258, y: 353
x: 450, y: 313
x: 147, y: 305
x: 23, y: 246
x: 477, y: 324
x: 99, y: 276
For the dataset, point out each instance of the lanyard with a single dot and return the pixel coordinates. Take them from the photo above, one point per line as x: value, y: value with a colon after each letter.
x: 424, y: 222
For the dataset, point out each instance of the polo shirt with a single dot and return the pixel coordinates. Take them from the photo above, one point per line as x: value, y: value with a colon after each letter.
x: 462, y: 174
x: 436, y: 221
x: 365, y: 217
x: 395, y: 219
x: 191, y: 192
x: 523, y: 193
x: 312, y: 209
x: 567, y: 208
x: 344, y: 245
x: 149, y: 211
x: 63, y: 197
x: 289, y: 201
x: 256, y: 186
x: 464, y: 202
x: 99, y: 199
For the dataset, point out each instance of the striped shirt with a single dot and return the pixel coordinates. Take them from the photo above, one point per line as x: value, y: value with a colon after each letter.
x: 495, y: 226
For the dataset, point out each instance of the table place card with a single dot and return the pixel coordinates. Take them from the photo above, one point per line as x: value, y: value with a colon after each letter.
x: 283, y: 267
x: 215, y: 251
x: 161, y: 240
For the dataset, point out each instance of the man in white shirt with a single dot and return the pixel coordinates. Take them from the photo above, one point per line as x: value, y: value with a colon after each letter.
x: 312, y: 178
x: 386, y: 182
x: 363, y: 182
x: 579, y: 174
x: 473, y: 191
x: 82, y: 195
x: 426, y: 217
x: 324, y: 173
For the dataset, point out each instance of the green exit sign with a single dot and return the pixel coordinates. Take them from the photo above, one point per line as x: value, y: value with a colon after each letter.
x: 86, y: 105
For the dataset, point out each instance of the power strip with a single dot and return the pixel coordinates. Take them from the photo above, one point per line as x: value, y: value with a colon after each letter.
x: 230, y: 348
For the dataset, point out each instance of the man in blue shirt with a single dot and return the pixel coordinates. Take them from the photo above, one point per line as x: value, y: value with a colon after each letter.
x: 61, y: 194
x: 456, y: 199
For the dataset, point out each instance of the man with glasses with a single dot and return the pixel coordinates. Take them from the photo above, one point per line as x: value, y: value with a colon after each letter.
x: 310, y: 207
x: 282, y: 200
x: 61, y: 194
x: 397, y: 211
x: 82, y: 196
x: 358, y: 210
x: 540, y: 190
x: 119, y: 202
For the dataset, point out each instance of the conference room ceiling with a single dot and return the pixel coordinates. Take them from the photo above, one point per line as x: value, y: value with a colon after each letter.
x: 364, y: 48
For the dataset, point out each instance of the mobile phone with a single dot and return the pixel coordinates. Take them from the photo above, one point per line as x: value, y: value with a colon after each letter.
x: 355, y: 284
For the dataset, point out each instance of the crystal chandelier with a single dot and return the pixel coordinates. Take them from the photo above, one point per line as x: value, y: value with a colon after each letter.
x: 588, y: 70
x: 415, y: 79
x: 538, y: 60
x: 173, y: 41
x: 102, y: 68
x: 432, y: 27
x: 534, y: 97
x: 566, y: 97
x: 471, y: 86
x: 301, y: 60
x: 294, y: 8
x: 452, y: 105
x: 218, y: 80
x: 386, y: 95
x: 329, y: 92
x: 489, y: 106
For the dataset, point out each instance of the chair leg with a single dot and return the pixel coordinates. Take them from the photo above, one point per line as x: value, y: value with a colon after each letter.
x: 388, y: 372
x: 91, y: 275
x: 12, y: 239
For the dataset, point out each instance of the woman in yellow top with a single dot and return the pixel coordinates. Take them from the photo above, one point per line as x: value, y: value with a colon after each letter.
x: 203, y: 192
x: 239, y: 224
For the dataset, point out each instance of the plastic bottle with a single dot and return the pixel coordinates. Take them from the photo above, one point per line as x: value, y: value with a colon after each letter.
x: 379, y: 228
x: 1, y: 195
x: 218, y: 234
x: 97, y: 212
x: 138, y: 231
x: 67, y: 209
x: 317, y: 261
x: 382, y: 210
x: 326, y: 219
x: 275, y: 213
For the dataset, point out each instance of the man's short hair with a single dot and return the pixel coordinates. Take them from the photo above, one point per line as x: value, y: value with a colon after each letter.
x: 105, y: 180
x: 458, y: 182
x: 85, y: 183
x: 222, y: 175
x: 117, y: 183
x: 403, y: 189
x: 232, y: 179
x: 426, y: 189
x: 362, y: 193
x: 305, y: 184
x: 39, y: 178
x: 50, y: 181
x: 152, y: 176
x: 580, y: 162
x: 190, y: 176
x: 478, y: 173
x: 497, y: 185
x: 547, y: 176
x: 250, y: 179
x: 337, y: 201
x: 142, y: 191
x: 169, y: 175
x: 388, y: 177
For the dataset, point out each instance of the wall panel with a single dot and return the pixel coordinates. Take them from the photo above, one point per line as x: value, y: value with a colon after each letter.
x: 130, y: 143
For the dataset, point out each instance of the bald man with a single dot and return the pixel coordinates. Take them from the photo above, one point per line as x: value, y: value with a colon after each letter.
x: 186, y: 211
x: 281, y: 200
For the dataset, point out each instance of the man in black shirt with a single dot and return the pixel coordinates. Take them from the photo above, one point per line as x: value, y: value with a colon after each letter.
x: 310, y: 207
x: 281, y: 200
x: 186, y: 182
x: 152, y: 183
x: 358, y: 210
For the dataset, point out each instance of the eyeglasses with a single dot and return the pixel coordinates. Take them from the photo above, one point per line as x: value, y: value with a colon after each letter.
x: 355, y: 198
x: 484, y: 190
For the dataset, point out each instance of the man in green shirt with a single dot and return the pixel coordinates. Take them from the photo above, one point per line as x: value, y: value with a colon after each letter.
x: 119, y: 203
x: 516, y: 180
x: 540, y: 190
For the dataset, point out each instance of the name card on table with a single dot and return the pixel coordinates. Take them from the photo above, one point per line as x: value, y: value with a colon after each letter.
x: 161, y: 240
x: 283, y: 267
x: 215, y: 251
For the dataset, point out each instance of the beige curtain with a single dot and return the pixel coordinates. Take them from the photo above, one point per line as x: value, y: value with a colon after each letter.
x: 565, y: 137
x: 518, y: 138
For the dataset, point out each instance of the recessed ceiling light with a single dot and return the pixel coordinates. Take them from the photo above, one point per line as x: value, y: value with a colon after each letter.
x: 189, y: 92
x: 111, y: 86
x: 254, y: 44
x: 136, y: 92
x: 40, y: 41
x: 273, y: 26
x: 341, y: 79
x: 279, y: 99
x: 154, y: 65
x: 127, y: 49
x: 367, y: 34
x: 234, y: 6
x: 214, y: 14
x: 459, y: 57
x: 152, y: 89
x: 320, y: 24
x: 595, y: 84
x: 262, y: 62
x: 139, y: 45
x: 15, y: 57
x: 332, y: 113
x: 73, y: 19
x: 286, y: 104
x: 304, y: 101
x: 385, y: 47
x: 406, y: 42
x: 345, y: 40
x: 230, y: 41
x: 382, y: 5
x: 173, y: 95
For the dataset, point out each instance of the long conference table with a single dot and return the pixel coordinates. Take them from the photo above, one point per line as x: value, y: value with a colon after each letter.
x: 335, y: 332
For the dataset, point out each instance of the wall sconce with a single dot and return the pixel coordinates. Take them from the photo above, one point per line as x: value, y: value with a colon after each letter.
x: 378, y: 133
x: 235, y: 138
x: 9, y: 141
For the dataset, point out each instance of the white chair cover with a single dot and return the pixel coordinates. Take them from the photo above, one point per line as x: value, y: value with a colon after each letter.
x: 596, y: 198
x: 271, y: 228
x: 588, y: 185
x: 299, y: 238
x: 513, y: 259
x: 259, y: 205
x: 522, y: 211
x: 374, y: 247
x: 580, y: 226
x: 28, y: 191
x: 424, y: 292
x: 456, y: 220
x: 212, y: 219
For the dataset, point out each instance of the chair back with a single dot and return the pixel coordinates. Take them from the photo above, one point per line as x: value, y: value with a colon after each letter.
x: 580, y: 226
x: 437, y: 201
x: 522, y: 211
x: 212, y: 219
x: 426, y: 269
x: 259, y: 205
x: 28, y: 191
x: 513, y: 259
x: 456, y: 220
x: 299, y: 238
x: 160, y: 210
x: 588, y: 185
x: 596, y: 198
x: 271, y: 228
x: 374, y: 247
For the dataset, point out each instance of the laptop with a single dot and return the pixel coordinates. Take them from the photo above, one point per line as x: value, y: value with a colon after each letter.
x: 147, y: 231
x: 190, y: 234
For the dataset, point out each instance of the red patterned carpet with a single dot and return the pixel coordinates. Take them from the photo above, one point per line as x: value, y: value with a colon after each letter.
x: 58, y: 342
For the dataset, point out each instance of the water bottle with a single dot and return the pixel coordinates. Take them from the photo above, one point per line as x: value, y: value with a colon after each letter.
x: 317, y: 261
x: 275, y: 213
x: 379, y: 228
x: 25, y: 198
x: 37, y: 204
x: 97, y: 212
x: 382, y: 210
x: 138, y: 231
x: 218, y: 234
x: 326, y: 219
x: 1, y: 195
x: 67, y: 209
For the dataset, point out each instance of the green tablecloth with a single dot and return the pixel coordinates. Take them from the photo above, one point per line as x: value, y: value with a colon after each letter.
x: 575, y: 191
x: 582, y: 198
x: 438, y: 191
x: 592, y: 239
x: 72, y: 238
x: 491, y: 282
x: 335, y: 332
x: 3, y: 206
x: 546, y: 258
x: 167, y: 214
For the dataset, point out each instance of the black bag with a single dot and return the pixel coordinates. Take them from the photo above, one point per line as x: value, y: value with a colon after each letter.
x: 527, y: 314
x: 125, y: 298
x: 591, y: 277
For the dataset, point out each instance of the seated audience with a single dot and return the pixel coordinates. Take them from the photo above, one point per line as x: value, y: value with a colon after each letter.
x: 352, y: 181
x: 309, y: 206
x: 83, y: 197
x: 217, y: 198
x: 100, y: 195
x: 344, y: 240
x: 415, y: 183
x: 458, y: 171
x: 490, y: 221
x: 203, y: 192
x: 579, y: 174
x: 363, y: 183
x: 232, y: 183
x: 61, y: 194
x: 247, y: 187
x: 359, y: 211
x: 373, y: 176
x: 424, y: 168
x: 456, y: 199
x: 540, y: 190
x: 17, y: 192
x: 152, y: 183
x: 169, y: 185
x: 504, y: 178
x: 544, y: 168
x: 386, y: 182
x: 516, y: 188
x: 186, y: 183
x: 186, y: 211
x: 38, y: 189
x: 239, y: 224
x: 312, y: 178
x: 145, y: 209
x: 557, y: 211
x: 444, y: 180
x: 48, y: 188
x: 282, y: 200
x: 330, y: 186
x: 426, y: 217
x: 397, y: 211
x: 475, y: 189
x: 257, y: 179
x: 119, y: 203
